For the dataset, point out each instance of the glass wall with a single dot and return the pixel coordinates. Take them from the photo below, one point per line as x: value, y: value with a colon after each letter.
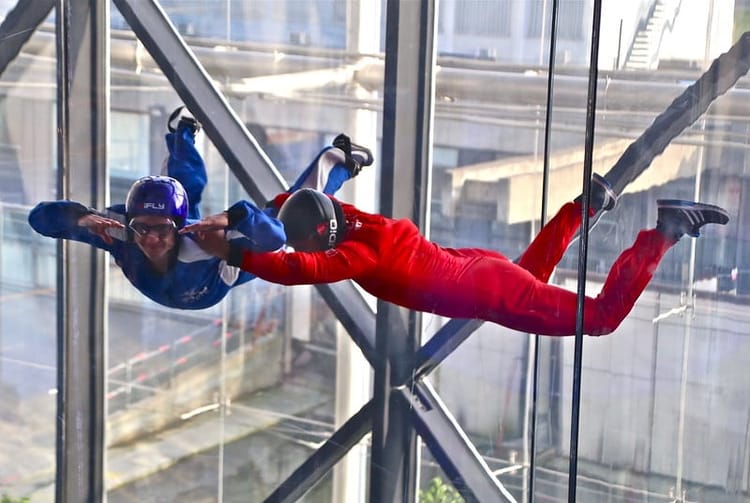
x: 224, y: 403
x: 28, y: 286
x: 659, y: 403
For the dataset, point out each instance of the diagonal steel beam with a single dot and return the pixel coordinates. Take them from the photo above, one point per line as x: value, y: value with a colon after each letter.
x: 316, y: 466
x: 353, y: 313
x: 450, y: 446
x: 195, y: 87
x: 239, y: 149
x: 442, y: 344
x: 443, y: 436
x: 19, y: 25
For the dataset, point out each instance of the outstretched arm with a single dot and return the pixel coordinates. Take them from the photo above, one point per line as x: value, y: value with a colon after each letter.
x: 349, y: 260
x: 247, y: 227
x: 72, y: 220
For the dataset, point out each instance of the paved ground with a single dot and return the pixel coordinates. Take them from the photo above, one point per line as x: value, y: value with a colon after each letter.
x: 27, y: 416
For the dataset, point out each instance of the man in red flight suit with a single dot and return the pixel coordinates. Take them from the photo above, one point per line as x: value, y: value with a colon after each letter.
x: 390, y: 259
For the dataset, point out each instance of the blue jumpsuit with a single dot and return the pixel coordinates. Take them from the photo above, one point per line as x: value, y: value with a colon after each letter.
x: 195, y: 280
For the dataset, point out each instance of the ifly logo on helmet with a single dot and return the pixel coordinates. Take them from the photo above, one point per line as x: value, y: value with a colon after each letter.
x: 153, y: 206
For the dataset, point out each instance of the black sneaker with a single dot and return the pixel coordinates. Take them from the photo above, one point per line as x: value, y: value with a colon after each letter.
x: 676, y: 217
x: 603, y: 197
x: 180, y: 118
x: 356, y: 156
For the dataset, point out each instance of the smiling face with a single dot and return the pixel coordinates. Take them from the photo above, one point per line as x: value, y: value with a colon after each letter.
x: 156, y: 237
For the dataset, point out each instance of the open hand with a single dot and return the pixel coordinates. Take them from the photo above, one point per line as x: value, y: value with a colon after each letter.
x: 212, y: 242
x: 209, y: 223
x: 99, y: 225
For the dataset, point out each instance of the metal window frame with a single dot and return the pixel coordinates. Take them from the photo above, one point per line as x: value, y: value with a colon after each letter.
x: 83, y: 106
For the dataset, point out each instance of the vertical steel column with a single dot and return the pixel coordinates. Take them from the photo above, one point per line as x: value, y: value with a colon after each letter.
x: 407, y: 135
x: 83, y: 105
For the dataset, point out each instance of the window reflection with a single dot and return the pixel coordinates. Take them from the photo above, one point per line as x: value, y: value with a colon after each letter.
x: 28, y: 352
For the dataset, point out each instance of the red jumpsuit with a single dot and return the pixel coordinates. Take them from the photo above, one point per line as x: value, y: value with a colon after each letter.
x: 393, y: 261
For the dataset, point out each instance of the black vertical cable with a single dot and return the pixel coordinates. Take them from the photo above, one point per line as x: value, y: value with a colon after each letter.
x: 61, y: 30
x: 583, y: 249
x: 545, y: 191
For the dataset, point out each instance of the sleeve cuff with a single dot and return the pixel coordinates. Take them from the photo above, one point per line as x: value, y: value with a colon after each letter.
x: 236, y: 253
x: 235, y: 214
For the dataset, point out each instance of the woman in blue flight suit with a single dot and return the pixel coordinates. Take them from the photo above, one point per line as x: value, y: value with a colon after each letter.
x: 169, y: 268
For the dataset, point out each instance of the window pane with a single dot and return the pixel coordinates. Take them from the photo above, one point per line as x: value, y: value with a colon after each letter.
x: 28, y: 275
x: 654, y: 403
x: 237, y: 396
x: 224, y: 403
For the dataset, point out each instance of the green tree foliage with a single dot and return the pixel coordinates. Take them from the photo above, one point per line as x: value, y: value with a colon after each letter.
x: 9, y: 499
x: 439, y: 492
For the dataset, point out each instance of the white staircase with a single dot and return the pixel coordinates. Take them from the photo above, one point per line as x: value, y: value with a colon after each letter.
x: 644, y: 55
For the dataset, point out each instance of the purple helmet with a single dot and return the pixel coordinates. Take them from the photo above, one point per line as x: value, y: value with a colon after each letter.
x: 158, y: 195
